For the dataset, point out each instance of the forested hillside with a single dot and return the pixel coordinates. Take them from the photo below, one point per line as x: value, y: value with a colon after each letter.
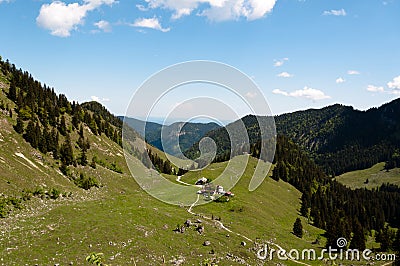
x: 65, y: 154
x: 50, y: 123
x: 341, y: 211
x: 187, y: 133
x: 338, y: 138
x: 49, y: 217
x: 342, y: 139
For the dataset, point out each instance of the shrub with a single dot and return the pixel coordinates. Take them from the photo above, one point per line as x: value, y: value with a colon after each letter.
x: 86, y: 182
x: 38, y: 191
x: 54, y: 193
x: 114, y: 167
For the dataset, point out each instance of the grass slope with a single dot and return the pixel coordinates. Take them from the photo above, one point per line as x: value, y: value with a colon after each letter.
x: 126, y: 224
x: 376, y: 176
x: 121, y: 220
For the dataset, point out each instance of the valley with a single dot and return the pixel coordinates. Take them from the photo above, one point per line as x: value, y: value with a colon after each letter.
x: 67, y: 190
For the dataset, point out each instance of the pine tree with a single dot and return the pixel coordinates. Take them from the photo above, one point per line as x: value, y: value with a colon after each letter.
x: 358, y: 240
x: 66, y: 152
x: 38, y: 135
x: 83, y: 158
x: 75, y: 120
x: 336, y: 229
x: 298, y: 228
x: 12, y: 93
x: 19, y: 127
x: 385, y: 238
x: 81, y: 131
x: 62, y: 126
x: 30, y: 134
x: 305, y: 203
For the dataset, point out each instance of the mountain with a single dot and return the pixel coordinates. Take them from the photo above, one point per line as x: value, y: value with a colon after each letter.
x: 67, y: 193
x: 176, y: 137
x: 338, y: 137
x: 343, y: 139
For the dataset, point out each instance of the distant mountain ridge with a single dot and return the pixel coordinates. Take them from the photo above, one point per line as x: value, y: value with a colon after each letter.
x: 338, y: 137
x: 187, y: 133
x: 341, y: 138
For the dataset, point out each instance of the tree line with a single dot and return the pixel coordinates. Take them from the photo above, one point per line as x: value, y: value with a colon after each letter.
x: 329, y: 205
x: 47, y: 121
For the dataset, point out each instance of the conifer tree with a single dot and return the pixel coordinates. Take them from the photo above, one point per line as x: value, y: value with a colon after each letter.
x: 358, y: 240
x: 30, y: 135
x: 83, y: 158
x: 385, y: 238
x: 12, y: 93
x: 62, y: 126
x: 298, y: 228
x: 19, y: 127
x: 66, y: 152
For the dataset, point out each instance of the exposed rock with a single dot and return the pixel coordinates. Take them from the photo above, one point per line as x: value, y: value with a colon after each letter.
x: 188, y: 223
x: 200, y: 229
x: 206, y: 243
x: 243, y: 243
x: 182, y: 229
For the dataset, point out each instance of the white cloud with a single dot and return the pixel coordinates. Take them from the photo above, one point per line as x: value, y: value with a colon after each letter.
x: 280, y: 62
x: 279, y: 91
x: 142, y: 8
x: 372, y: 88
x: 394, y: 84
x: 98, y: 99
x: 333, y: 12
x: 61, y: 18
x: 234, y: 9
x: 181, y: 12
x: 216, y: 10
x: 285, y: 75
x: 353, y: 72
x: 4, y: 1
x: 151, y: 23
x: 251, y: 95
x: 306, y: 92
x: 103, y: 25
x: 340, y: 80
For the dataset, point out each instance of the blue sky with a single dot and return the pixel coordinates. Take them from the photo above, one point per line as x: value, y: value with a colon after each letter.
x: 302, y: 54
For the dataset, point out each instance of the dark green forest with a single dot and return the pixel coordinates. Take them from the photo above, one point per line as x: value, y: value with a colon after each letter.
x: 329, y: 205
x: 312, y: 147
x: 189, y: 133
x: 339, y: 138
x: 47, y: 120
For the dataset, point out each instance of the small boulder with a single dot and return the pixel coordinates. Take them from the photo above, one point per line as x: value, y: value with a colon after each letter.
x: 182, y: 229
x: 200, y: 229
x: 206, y: 243
x: 188, y: 223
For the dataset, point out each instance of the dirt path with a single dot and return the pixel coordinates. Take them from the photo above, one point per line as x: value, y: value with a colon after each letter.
x: 178, y: 179
x: 222, y: 226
